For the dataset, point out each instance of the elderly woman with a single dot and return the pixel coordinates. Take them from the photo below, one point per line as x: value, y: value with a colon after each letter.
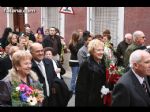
x: 63, y: 94
x: 49, y: 53
x: 20, y: 73
x: 91, y: 77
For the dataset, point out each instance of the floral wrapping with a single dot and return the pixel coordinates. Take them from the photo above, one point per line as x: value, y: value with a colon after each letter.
x: 23, y: 95
x: 113, y: 73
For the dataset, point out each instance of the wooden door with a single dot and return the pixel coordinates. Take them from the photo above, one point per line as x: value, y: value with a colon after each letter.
x: 18, y: 18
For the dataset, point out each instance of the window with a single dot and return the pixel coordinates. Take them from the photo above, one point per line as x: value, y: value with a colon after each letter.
x: 50, y: 17
x: 102, y: 18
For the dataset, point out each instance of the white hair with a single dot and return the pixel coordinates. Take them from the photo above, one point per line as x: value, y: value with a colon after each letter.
x: 137, y: 34
x: 128, y: 35
x: 135, y: 57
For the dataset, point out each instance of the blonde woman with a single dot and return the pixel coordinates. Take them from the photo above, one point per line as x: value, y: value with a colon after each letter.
x: 20, y: 73
x: 24, y: 42
x: 91, y: 77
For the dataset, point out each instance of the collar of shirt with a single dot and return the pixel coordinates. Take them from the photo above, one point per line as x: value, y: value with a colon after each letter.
x: 10, y: 57
x: 38, y: 62
x: 141, y: 79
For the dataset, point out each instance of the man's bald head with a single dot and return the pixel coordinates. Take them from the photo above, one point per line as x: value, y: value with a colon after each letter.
x: 37, y: 51
x: 128, y: 38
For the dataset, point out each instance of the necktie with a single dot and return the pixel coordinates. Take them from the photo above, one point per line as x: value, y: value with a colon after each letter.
x: 144, y: 86
x: 41, y: 67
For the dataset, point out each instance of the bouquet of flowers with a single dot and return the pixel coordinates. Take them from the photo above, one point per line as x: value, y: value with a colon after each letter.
x: 23, y: 95
x: 113, y: 73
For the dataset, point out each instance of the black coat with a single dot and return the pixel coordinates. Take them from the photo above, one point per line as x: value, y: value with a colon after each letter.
x: 129, y: 92
x: 50, y: 73
x: 48, y: 42
x: 63, y: 94
x: 74, y: 50
x: 90, y: 80
x: 5, y: 65
x: 121, y: 48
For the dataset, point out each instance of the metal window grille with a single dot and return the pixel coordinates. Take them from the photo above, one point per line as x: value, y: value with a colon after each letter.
x: 105, y: 18
x: 52, y: 17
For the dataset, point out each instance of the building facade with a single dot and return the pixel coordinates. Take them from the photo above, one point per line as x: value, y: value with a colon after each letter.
x: 119, y: 20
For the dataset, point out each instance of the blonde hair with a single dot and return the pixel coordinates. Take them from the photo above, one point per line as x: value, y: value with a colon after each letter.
x: 20, y: 55
x: 13, y: 49
x: 11, y: 35
x: 93, y: 44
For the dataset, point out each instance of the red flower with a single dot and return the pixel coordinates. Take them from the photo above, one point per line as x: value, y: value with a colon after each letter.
x: 113, y: 73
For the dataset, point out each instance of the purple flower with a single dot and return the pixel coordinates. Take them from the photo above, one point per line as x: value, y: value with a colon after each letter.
x: 23, y: 97
x: 28, y: 91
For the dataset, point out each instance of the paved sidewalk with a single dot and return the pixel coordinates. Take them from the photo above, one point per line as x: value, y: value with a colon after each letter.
x: 67, y: 77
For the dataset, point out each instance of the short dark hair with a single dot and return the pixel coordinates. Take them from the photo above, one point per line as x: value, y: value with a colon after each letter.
x: 107, y: 32
x: 86, y: 35
x: 49, y: 49
x: 98, y: 36
x: 27, y: 25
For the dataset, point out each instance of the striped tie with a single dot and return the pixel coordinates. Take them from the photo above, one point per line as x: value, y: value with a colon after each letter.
x: 144, y: 86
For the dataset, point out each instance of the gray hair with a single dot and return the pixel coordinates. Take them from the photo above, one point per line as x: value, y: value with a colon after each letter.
x: 135, y: 57
x: 128, y: 35
x: 137, y: 34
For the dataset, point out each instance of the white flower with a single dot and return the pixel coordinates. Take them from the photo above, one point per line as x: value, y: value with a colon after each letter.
x: 32, y: 100
x: 104, y: 90
x: 17, y: 88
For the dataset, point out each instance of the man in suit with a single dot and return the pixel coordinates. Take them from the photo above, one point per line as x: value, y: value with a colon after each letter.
x: 129, y: 91
x: 45, y: 71
x: 6, y: 63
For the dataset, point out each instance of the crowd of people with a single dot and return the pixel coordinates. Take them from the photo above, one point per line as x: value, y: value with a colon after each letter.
x: 37, y: 58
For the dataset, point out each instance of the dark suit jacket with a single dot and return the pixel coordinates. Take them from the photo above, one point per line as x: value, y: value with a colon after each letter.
x: 63, y: 94
x: 59, y: 65
x: 129, y: 92
x: 5, y: 65
x: 50, y: 73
